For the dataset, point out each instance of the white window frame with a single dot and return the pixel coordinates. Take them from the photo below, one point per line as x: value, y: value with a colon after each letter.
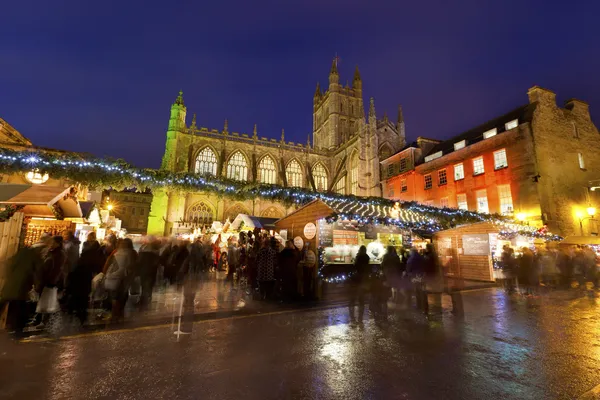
x: 511, y: 124
x: 340, y: 186
x: 490, y: 133
x: 428, y: 182
x: 390, y: 170
x: 500, y: 159
x: 459, y: 167
x: 267, y: 171
x: 445, y: 176
x: 237, y: 167
x: 319, y: 174
x: 403, y: 186
x: 483, y: 205
x: 293, y: 174
x: 476, y: 170
x: 206, y: 162
x: 461, y: 201
x: 505, y: 198
x: 403, y: 164
x: 460, y: 145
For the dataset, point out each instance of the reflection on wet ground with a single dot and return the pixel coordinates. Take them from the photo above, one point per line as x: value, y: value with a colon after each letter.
x: 506, y: 347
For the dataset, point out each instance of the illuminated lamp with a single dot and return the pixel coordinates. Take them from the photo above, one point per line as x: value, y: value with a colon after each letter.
x: 579, y: 214
x: 521, y: 216
x: 36, y: 178
x: 109, y: 207
x: 591, y: 211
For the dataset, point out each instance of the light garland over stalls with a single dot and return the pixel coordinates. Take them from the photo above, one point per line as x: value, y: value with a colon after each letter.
x: 117, y: 174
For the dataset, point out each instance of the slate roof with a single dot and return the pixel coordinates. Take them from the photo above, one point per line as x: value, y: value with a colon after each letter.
x: 523, y: 114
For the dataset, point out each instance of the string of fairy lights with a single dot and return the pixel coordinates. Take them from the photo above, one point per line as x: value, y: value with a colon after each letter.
x: 117, y: 174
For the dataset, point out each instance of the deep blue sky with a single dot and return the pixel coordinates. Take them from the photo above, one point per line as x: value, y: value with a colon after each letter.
x: 100, y: 76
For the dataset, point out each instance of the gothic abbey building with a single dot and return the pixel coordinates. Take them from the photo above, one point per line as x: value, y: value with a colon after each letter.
x: 344, y: 158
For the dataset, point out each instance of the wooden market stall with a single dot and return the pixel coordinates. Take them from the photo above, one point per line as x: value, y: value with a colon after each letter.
x: 469, y: 251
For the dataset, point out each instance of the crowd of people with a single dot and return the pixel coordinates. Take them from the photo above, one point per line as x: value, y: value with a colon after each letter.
x: 54, y: 276
x: 549, y: 267
x: 398, y: 277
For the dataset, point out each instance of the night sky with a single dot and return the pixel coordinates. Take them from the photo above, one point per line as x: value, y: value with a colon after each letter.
x: 100, y: 77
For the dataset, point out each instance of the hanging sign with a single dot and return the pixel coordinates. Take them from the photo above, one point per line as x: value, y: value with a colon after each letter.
x: 310, y: 230
x: 325, y: 234
x: 476, y: 244
x: 298, y: 242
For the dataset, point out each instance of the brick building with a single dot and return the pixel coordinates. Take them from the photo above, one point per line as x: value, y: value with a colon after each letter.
x: 536, y: 163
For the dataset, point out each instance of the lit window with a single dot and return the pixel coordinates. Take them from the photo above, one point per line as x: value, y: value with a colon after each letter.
x: 511, y: 124
x: 500, y: 159
x: 403, y: 185
x: 461, y: 201
x: 320, y: 177
x: 444, y: 202
x: 478, y: 166
x: 354, y: 175
x: 460, y: 145
x: 581, y: 162
x: 390, y: 170
x: 490, y: 133
x: 267, y: 173
x: 433, y: 156
x: 459, y: 172
x: 506, y: 204
x: 293, y: 174
x: 200, y: 213
x: 428, y: 181
x: 482, y: 202
x: 442, y: 179
x: 402, y: 164
x: 206, y: 162
x: 36, y: 178
x: 237, y: 167
x: 340, y: 186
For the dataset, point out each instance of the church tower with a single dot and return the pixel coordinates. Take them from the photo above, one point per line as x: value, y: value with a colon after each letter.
x: 337, y: 111
x: 176, y: 126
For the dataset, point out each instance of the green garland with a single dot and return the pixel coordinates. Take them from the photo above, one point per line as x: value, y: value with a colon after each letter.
x: 117, y: 174
x: 8, y: 211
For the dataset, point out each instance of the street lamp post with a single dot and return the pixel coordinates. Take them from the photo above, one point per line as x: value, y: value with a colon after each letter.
x: 591, y: 211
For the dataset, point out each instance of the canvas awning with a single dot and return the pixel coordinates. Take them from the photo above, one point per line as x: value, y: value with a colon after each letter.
x: 39, y: 199
x: 252, y: 222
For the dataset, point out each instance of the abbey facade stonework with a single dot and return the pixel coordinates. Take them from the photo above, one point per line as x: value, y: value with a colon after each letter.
x: 344, y: 157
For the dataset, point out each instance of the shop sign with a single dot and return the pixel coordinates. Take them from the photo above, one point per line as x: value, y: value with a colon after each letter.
x: 345, y: 237
x: 298, y: 242
x: 325, y: 234
x: 310, y: 230
x: 311, y: 259
x: 476, y: 244
x: 283, y: 234
x: 371, y: 233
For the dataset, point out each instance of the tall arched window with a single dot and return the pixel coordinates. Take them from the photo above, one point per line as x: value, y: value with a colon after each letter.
x: 237, y: 167
x: 200, y: 213
x: 340, y: 186
x: 206, y: 162
x: 320, y: 177
x: 293, y: 174
x: 354, y: 174
x: 267, y: 173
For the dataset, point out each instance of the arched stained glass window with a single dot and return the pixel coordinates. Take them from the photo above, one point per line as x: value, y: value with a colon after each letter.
x: 206, y: 162
x: 354, y: 174
x: 237, y: 167
x: 293, y: 174
x: 200, y: 213
x: 320, y: 177
x: 267, y: 173
x: 340, y: 186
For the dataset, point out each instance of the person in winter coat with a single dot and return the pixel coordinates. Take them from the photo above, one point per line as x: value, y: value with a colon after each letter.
x: 79, y: 280
x: 71, y: 248
x: 359, y: 284
x: 120, y: 267
x: 21, y: 274
x: 288, y: 264
x: 267, y: 266
x: 393, y: 270
x: 50, y: 277
x: 148, y: 263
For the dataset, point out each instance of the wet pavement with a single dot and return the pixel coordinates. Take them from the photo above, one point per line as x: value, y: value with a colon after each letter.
x: 506, y: 347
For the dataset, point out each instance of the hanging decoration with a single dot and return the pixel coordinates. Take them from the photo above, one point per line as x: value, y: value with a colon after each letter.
x: 6, y: 212
x: 118, y: 175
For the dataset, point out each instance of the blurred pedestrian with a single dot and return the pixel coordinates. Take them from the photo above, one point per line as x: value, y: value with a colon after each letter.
x: 359, y: 284
x: 288, y: 264
x: 50, y: 278
x: 119, y: 270
x: 267, y: 264
x: 148, y: 263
